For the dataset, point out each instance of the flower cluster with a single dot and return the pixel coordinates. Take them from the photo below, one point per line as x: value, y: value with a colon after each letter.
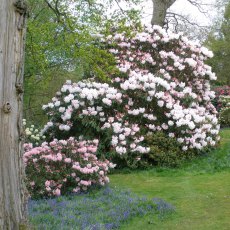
x: 63, y: 166
x: 163, y: 85
x: 32, y: 134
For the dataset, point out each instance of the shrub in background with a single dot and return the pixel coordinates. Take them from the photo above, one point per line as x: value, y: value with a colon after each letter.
x: 64, y: 166
x: 219, y: 92
x: 163, y: 86
x: 224, y: 115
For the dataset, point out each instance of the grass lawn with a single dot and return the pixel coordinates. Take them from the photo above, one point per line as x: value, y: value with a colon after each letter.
x: 200, y: 191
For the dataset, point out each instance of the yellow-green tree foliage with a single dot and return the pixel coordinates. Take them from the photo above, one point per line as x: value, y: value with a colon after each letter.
x: 219, y: 42
x: 61, y: 43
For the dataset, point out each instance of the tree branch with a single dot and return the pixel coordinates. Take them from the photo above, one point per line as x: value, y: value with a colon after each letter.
x: 199, y: 5
x: 183, y: 18
x: 123, y: 12
x: 55, y: 9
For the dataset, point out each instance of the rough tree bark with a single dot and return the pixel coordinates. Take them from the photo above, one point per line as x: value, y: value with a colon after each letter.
x: 159, y: 11
x: 12, y: 186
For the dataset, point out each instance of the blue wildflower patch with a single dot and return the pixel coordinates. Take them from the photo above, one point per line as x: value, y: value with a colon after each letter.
x: 107, y: 208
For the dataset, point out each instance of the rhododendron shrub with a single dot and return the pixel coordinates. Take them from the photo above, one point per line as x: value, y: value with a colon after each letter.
x: 163, y: 85
x: 64, y: 166
x: 95, y: 110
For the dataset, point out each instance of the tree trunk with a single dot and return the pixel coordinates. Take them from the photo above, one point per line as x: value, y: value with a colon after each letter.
x: 12, y: 186
x: 159, y: 11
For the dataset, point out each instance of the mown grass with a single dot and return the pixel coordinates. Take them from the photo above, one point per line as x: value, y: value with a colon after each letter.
x: 200, y: 191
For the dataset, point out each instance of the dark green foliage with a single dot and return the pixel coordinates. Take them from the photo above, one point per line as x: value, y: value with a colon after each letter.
x: 165, y: 151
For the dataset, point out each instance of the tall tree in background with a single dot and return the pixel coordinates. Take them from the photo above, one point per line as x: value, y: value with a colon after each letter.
x: 160, y: 8
x: 164, y: 16
x: 219, y: 43
x: 12, y: 189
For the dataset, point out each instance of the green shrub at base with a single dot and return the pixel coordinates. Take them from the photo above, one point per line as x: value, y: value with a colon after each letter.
x: 225, y: 117
x: 165, y: 151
